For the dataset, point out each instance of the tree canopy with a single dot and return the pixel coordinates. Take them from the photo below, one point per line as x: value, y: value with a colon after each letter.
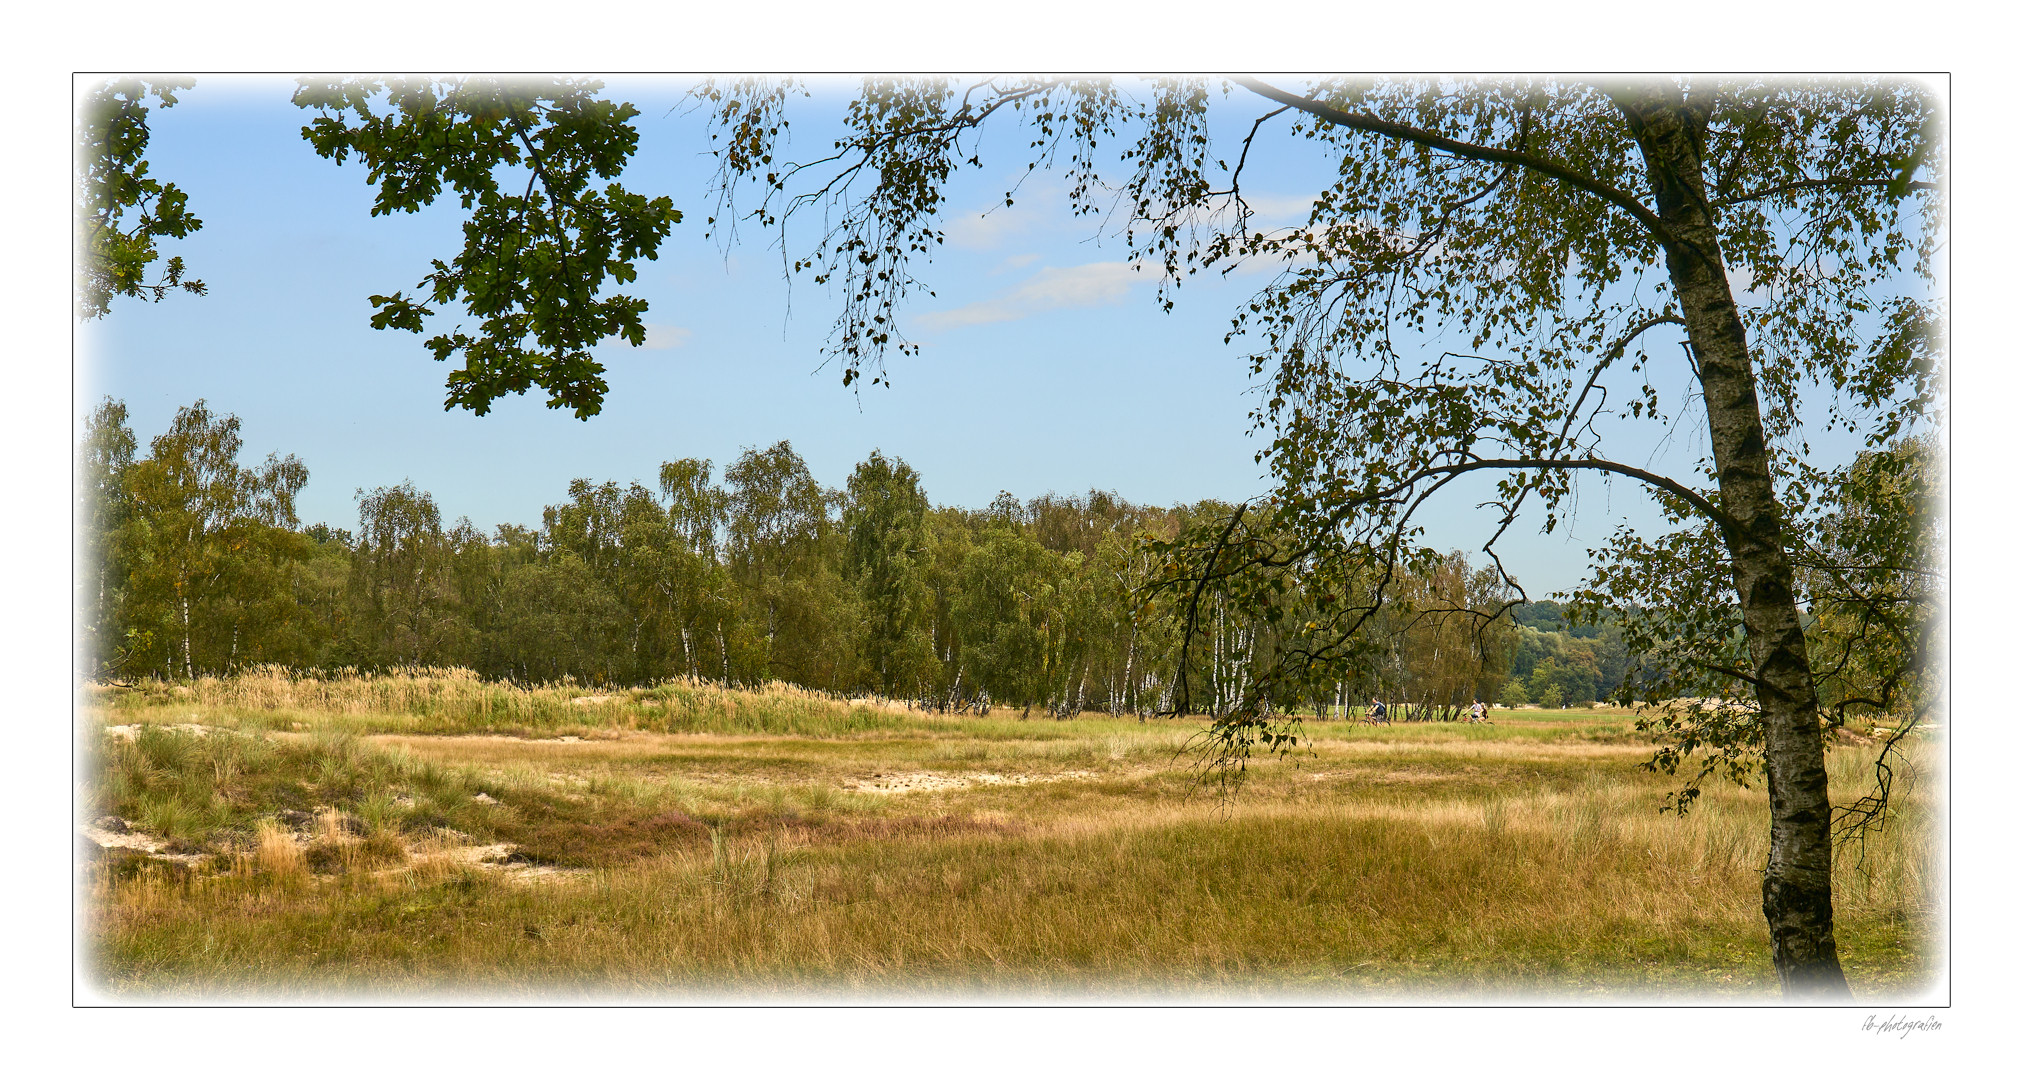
x: 115, y: 253
x: 524, y: 158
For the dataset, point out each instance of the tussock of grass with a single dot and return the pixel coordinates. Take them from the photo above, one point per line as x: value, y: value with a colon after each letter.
x: 276, y: 853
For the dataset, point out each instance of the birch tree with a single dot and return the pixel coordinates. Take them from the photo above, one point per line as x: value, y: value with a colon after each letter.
x: 402, y: 574
x: 208, y: 536
x: 1786, y: 229
x: 104, y: 532
x: 885, y: 547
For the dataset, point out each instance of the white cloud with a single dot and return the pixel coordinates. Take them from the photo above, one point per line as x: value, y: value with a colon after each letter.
x: 664, y: 336
x: 1288, y: 208
x: 1038, y: 205
x: 1016, y: 262
x: 985, y: 229
x: 1052, y: 288
x: 1744, y: 284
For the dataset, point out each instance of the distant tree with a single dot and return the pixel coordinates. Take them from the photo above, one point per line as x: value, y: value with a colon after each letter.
x: 695, y: 507
x: 589, y: 524
x: 780, y: 542
x: 1538, y: 615
x: 884, y: 524
x: 651, y: 560
x: 1875, y: 582
x: 706, y: 609
x: 1010, y: 614
x: 1116, y: 570
x: 104, y: 531
x: 325, y: 596
x: 556, y: 621
x: 949, y: 535
x: 1451, y: 642
x: 211, y: 543
x: 408, y: 607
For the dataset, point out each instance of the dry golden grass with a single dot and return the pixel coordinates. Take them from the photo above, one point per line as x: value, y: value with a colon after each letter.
x: 457, y: 699
x: 276, y: 854
x: 1048, y: 857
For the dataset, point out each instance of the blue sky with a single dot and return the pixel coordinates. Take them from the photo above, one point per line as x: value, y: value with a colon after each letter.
x: 1037, y: 336
x: 1046, y: 362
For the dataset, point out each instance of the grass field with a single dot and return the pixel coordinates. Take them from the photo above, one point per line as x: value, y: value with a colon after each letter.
x: 432, y: 834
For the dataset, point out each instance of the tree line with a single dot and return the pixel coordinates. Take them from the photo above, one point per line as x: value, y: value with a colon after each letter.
x: 194, y: 564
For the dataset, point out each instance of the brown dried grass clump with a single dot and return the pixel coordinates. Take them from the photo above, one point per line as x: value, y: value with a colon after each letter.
x: 337, y: 853
x: 276, y: 853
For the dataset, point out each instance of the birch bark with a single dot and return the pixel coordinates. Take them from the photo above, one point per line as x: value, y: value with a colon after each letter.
x: 1798, y: 880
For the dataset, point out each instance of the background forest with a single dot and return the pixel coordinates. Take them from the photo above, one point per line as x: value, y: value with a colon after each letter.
x: 195, y: 564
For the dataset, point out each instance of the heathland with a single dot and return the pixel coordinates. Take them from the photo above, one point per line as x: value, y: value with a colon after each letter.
x: 280, y: 836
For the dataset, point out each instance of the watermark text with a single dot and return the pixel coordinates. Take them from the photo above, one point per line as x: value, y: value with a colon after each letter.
x: 1899, y: 1026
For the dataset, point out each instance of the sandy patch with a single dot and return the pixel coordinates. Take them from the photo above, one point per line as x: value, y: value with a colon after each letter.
x: 901, y: 783
x: 548, y: 875
x: 906, y: 783
x: 478, y: 853
x: 138, y: 841
x: 492, y: 857
x: 423, y: 740
x: 130, y: 732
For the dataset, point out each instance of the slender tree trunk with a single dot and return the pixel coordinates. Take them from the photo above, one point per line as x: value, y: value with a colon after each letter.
x: 1798, y: 880
x: 189, y: 659
x: 1249, y: 662
x: 1215, y: 668
x: 1130, y: 659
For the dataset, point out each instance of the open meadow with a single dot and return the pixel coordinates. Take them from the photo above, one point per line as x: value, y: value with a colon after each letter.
x: 434, y: 835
